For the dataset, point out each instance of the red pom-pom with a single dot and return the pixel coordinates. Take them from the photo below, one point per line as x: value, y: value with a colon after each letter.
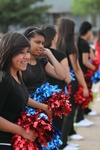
x: 80, y: 99
x: 87, y: 77
x: 59, y: 104
x: 42, y: 129
x: 96, y: 64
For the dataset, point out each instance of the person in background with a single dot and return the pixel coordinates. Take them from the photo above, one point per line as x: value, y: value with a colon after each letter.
x: 34, y: 76
x: 97, y: 45
x: 66, y: 44
x: 97, y: 48
x: 14, y: 57
x: 50, y: 43
x: 84, y: 56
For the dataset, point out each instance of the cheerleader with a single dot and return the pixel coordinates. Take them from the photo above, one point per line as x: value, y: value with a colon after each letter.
x: 34, y: 75
x: 14, y: 57
x: 66, y: 44
x: 97, y: 48
x: 84, y: 56
x: 50, y: 42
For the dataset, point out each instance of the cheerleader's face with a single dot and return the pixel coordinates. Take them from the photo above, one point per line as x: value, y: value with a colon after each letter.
x: 89, y: 35
x: 20, y: 61
x: 37, y: 45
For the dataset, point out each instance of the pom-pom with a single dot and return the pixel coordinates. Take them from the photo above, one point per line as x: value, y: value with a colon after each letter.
x: 96, y: 77
x: 42, y: 129
x: 55, y: 98
x: 87, y: 77
x: 96, y: 64
x: 44, y: 92
x: 80, y: 99
x: 59, y: 104
x: 55, y: 141
x: 72, y: 74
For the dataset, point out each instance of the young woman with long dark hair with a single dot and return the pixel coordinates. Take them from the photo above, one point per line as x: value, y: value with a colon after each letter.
x: 66, y: 43
x: 51, y: 42
x: 14, y: 57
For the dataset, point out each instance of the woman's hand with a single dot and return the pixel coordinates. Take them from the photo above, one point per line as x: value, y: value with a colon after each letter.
x: 29, y: 136
x: 46, y: 52
x: 86, y: 92
x: 48, y: 112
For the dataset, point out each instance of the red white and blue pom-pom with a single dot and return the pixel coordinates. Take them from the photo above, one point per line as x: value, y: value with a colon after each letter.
x: 55, y: 141
x: 44, y: 92
x: 42, y: 129
x: 59, y: 104
x: 56, y: 99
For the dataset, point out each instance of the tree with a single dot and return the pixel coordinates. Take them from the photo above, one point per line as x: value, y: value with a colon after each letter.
x: 84, y: 7
x: 21, y: 13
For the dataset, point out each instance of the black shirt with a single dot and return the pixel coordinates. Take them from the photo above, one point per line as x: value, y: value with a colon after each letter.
x: 13, y: 99
x: 70, y: 52
x: 34, y: 76
x: 83, y: 47
x: 59, y: 56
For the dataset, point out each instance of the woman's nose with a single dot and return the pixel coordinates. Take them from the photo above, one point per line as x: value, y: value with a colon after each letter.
x: 27, y: 55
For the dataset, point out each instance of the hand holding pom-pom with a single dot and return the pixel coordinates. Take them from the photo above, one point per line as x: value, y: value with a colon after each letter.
x: 59, y: 104
x: 36, y: 124
x: 80, y: 99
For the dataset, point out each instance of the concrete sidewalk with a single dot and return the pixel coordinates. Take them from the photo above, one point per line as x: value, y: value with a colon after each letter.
x: 91, y: 134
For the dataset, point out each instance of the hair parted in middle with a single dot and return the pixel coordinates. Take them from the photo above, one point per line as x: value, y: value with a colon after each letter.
x: 10, y: 45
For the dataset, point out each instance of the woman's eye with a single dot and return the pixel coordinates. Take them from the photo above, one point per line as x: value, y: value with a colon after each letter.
x: 21, y: 52
x: 28, y: 51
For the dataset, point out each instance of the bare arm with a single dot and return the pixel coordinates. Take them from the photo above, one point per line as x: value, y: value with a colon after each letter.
x: 79, y: 74
x: 33, y: 103
x: 10, y: 127
x: 56, y: 69
x: 92, y: 55
x: 85, y: 57
x: 64, y: 63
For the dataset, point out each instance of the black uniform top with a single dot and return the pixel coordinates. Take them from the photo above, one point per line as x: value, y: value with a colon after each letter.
x: 69, y: 52
x: 13, y: 99
x: 34, y: 76
x: 83, y: 47
x: 59, y: 56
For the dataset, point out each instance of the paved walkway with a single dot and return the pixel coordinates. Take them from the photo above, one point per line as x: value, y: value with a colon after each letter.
x: 91, y: 134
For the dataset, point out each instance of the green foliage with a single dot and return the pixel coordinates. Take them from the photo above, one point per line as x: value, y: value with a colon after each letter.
x: 21, y: 13
x: 85, y: 7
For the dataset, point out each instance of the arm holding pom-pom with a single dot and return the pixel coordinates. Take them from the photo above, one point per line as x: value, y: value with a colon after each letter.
x: 80, y: 99
x: 37, y: 124
x: 33, y: 103
x: 59, y: 104
x: 10, y: 127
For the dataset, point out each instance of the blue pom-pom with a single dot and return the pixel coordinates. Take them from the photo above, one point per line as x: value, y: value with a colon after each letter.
x: 72, y: 74
x: 42, y: 93
x: 55, y: 141
x: 96, y: 77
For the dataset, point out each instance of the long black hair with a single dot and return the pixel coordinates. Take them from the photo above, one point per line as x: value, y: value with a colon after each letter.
x: 66, y: 42
x: 10, y: 45
x: 50, y: 32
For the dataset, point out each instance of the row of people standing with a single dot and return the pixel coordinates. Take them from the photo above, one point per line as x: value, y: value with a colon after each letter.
x: 69, y: 49
x: 34, y: 70
x: 66, y: 43
x: 15, y: 55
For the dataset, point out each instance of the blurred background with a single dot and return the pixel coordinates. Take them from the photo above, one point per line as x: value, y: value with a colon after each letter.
x: 19, y: 14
